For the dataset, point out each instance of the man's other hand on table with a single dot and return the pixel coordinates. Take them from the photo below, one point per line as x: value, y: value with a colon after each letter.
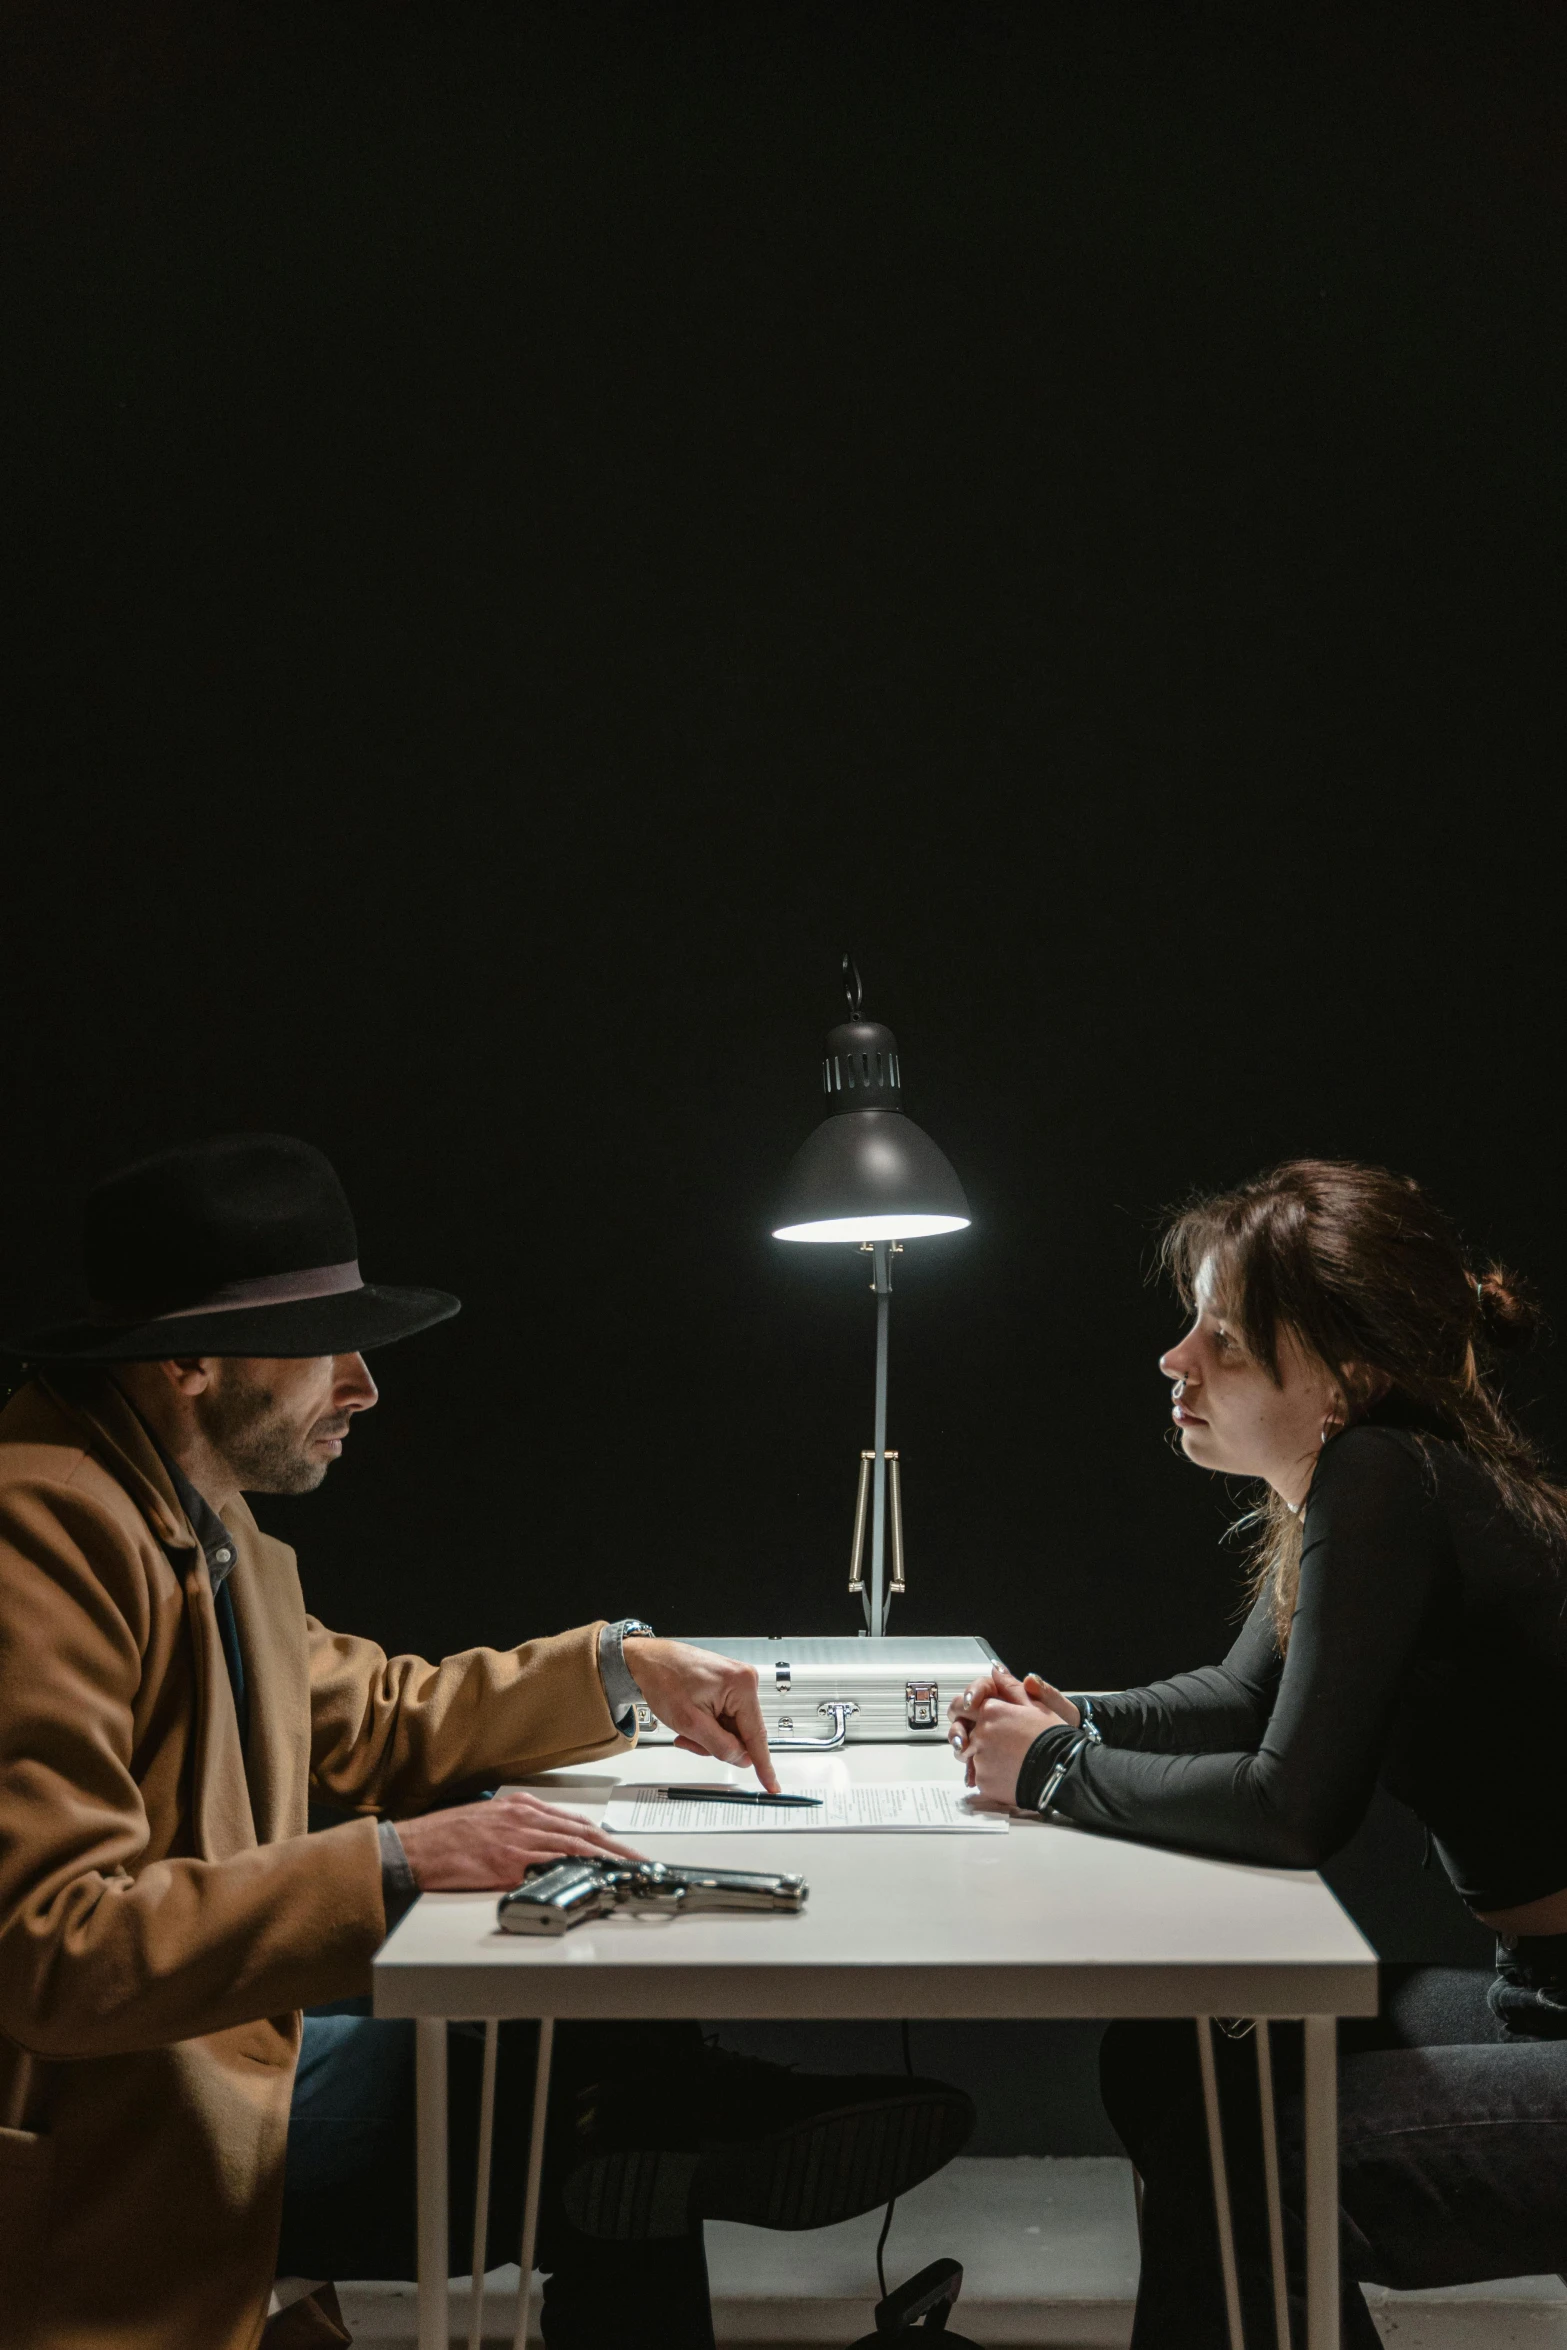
x: 475, y: 1847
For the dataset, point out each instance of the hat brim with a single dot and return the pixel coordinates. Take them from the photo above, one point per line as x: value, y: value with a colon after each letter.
x: 350, y: 1323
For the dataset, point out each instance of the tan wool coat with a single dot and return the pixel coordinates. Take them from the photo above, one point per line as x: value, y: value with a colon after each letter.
x: 163, y: 1914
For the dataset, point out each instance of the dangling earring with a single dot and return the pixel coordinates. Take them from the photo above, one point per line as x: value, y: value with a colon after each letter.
x: 1330, y: 1427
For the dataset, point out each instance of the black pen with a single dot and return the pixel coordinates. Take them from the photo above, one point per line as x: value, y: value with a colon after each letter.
x: 739, y: 1795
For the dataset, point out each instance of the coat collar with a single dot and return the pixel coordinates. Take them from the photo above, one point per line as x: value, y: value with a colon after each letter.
x: 114, y: 1431
x: 224, y: 1820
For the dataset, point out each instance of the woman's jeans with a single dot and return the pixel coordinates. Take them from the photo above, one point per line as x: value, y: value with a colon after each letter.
x: 1453, y: 2152
x: 349, y: 2207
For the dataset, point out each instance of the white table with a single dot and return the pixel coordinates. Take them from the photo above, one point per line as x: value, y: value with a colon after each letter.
x: 1044, y: 1921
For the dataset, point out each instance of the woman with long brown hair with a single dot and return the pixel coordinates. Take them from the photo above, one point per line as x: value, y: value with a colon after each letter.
x: 1408, y: 1624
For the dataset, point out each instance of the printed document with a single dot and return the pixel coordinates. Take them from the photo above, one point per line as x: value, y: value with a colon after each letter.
x: 650, y: 1811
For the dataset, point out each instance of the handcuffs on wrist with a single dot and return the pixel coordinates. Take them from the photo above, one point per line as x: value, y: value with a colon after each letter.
x: 1085, y: 1735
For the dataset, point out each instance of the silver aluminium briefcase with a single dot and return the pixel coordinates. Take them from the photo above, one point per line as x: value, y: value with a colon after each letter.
x: 831, y: 1691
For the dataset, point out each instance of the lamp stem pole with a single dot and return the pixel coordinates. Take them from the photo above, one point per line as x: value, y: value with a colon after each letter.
x: 881, y: 1258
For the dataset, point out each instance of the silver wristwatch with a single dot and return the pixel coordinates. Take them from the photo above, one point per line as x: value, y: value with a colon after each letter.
x: 621, y: 1692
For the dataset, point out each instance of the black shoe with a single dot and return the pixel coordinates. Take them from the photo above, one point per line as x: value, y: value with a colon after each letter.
x: 744, y: 2140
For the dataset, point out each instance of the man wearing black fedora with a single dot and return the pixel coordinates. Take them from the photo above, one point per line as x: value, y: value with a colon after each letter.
x: 173, y: 2141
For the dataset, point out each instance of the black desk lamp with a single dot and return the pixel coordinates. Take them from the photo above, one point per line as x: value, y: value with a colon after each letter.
x: 869, y: 1175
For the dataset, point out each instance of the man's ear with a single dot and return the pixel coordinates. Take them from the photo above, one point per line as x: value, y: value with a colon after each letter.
x: 188, y: 1374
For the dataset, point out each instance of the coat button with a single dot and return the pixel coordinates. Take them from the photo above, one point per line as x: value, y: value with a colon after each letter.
x: 223, y: 1557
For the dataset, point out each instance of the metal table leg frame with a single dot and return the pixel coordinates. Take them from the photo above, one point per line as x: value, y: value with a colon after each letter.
x: 430, y: 2091
x: 481, y: 2188
x: 1322, y: 2246
x: 1322, y: 2265
x: 530, y: 2208
x: 1221, y: 2183
x: 1270, y: 2175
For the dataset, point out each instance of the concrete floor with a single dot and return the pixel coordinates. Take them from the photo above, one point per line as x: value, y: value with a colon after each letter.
x: 1049, y: 2249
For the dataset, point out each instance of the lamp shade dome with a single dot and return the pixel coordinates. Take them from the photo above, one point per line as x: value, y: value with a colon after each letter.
x: 868, y: 1172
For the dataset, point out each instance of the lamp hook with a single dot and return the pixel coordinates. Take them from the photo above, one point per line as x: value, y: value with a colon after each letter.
x: 853, y: 988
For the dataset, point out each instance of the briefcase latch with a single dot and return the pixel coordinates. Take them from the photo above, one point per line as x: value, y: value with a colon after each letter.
x: 921, y: 1699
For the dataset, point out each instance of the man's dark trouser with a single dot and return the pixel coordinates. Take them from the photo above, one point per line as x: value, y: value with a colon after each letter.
x: 1453, y: 2144
x: 349, y: 2203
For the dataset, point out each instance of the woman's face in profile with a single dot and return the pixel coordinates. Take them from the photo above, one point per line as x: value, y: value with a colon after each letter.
x: 1234, y: 1416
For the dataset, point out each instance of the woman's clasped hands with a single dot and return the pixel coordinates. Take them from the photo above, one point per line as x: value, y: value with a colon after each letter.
x: 995, y: 1721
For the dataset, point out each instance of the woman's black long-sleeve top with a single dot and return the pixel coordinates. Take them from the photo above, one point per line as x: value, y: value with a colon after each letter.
x: 1428, y: 1649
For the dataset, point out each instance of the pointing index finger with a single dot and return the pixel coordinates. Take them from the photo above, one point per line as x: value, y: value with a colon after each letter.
x: 751, y: 1730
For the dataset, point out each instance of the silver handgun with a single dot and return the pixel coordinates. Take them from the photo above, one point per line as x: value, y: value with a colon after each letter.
x: 556, y: 1895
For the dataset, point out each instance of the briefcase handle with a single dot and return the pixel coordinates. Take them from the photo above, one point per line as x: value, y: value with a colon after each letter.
x: 840, y: 1708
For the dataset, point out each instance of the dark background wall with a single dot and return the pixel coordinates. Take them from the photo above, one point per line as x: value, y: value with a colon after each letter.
x: 531, y: 527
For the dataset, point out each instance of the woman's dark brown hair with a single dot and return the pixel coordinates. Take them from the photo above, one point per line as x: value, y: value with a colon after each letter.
x: 1372, y: 1279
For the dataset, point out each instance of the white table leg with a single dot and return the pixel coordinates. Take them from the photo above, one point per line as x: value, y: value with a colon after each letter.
x: 481, y: 2188
x: 430, y: 2092
x: 1270, y: 2177
x: 1322, y: 2279
x: 530, y: 2208
x: 1221, y: 2184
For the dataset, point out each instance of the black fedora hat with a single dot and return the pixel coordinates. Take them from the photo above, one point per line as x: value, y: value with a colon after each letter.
x: 241, y: 1245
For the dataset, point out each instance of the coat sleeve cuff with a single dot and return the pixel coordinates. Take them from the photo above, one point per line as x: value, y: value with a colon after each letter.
x: 399, y: 1886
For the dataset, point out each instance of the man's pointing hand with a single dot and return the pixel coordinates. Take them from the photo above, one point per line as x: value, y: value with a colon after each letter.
x: 709, y: 1701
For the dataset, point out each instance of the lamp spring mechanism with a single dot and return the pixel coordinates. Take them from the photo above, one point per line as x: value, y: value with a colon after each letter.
x: 862, y: 1505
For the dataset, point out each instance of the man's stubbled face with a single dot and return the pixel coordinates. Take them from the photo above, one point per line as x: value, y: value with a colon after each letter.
x: 280, y: 1421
